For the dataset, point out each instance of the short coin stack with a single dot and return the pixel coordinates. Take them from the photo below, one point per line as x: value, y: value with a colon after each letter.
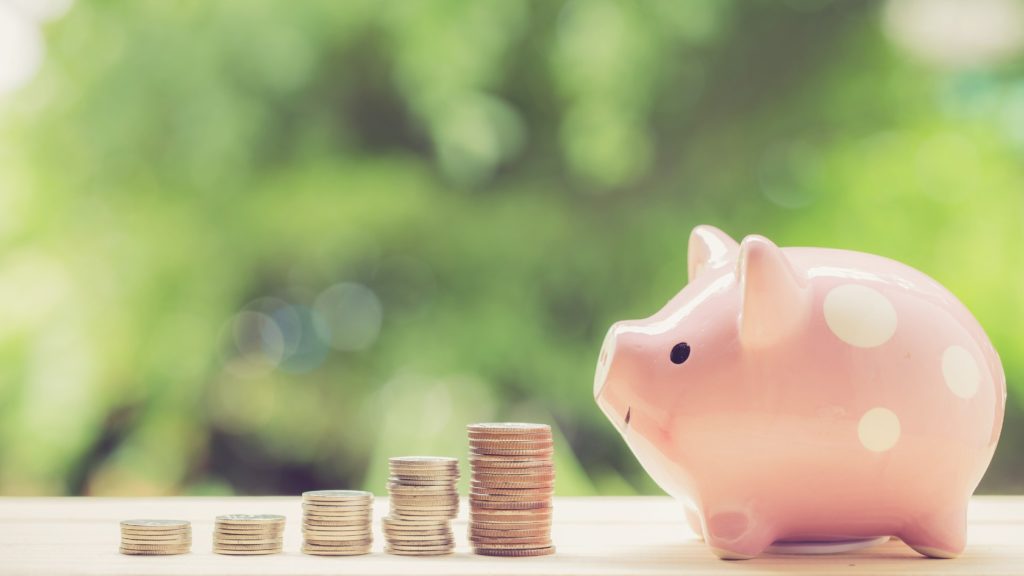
x: 248, y: 534
x: 511, y: 487
x: 337, y: 522
x: 423, y: 502
x: 155, y: 537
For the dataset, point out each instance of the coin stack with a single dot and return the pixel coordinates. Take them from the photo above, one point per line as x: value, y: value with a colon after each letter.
x: 423, y: 502
x: 337, y: 522
x: 248, y: 534
x: 510, y: 490
x: 155, y: 537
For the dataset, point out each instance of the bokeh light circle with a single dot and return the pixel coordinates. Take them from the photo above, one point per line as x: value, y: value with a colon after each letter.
x: 347, y: 316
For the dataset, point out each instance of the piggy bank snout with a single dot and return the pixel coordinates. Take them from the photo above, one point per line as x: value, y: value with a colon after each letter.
x: 617, y: 370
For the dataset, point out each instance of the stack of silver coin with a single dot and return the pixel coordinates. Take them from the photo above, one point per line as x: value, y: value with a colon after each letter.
x: 155, y: 537
x: 248, y: 534
x: 337, y: 522
x: 424, y: 499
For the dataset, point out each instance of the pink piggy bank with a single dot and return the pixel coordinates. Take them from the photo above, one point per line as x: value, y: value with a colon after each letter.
x: 807, y: 395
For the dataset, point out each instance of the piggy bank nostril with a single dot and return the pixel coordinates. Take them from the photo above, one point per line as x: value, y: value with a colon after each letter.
x: 629, y: 414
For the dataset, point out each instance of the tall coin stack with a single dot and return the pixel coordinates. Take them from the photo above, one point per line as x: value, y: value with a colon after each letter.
x: 424, y: 499
x: 155, y: 537
x: 337, y: 522
x: 248, y: 534
x: 511, y: 486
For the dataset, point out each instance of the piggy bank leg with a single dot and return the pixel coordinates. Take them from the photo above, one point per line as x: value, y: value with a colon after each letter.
x: 736, y: 535
x: 942, y: 535
x: 693, y: 519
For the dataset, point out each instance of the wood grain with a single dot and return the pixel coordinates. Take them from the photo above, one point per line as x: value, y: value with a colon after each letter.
x: 642, y: 535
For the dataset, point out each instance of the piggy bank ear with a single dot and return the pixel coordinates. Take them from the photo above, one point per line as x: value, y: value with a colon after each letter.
x: 774, y: 297
x: 709, y: 248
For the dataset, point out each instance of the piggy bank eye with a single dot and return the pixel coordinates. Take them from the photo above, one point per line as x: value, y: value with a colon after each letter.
x: 680, y: 352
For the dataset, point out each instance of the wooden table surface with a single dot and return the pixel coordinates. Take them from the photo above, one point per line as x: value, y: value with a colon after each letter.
x: 643, y: 535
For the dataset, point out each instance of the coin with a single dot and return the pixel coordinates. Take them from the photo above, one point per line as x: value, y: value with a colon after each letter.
x: 156, y: 525
x: 156, y: 548
x: 335, y: 495
x: 155, y: 538
x: 484, y: 532
x: 168, y: 552
x: 336, y: 529
x: 486, y: 445
x: 424, y: 460
x: 321, y: 551
x: 508, y: 428
x: 350, y: 537
x: 220, y: 539
x: 423, y: 501
x: 233, y: 552
x: 250, y: 519
x: 511, y: 488
x: 514, y: 552
x: 543, y: 540
x: 402, y: 551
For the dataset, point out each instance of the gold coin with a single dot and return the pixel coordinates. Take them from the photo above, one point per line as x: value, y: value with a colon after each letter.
x: 507, y: 428
x: 540, y: 541
x: 513, y: 452
x: 503, y: 477
x: 521, y: 491
x: 514, y: 552
x: 507, y: 533
x: 486, y: 445
x: 250, y: 519
x: 502, y: 516
x: 542, y: 500
x: 515, y: 470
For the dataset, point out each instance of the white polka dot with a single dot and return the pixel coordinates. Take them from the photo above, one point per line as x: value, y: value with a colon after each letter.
x: 960, y: 371
x: 879, y: 429
x: 859, y: 315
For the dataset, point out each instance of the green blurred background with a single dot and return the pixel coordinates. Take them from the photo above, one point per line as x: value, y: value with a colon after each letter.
x: 258, y: 247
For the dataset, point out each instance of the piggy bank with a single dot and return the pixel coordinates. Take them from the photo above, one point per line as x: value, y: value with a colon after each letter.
x: 807, y: 395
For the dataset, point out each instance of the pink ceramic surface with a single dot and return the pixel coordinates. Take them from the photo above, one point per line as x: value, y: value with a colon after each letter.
x: 807, y: 394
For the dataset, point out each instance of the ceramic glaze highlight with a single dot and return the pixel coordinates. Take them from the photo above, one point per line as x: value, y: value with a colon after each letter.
x: 826, y: 395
